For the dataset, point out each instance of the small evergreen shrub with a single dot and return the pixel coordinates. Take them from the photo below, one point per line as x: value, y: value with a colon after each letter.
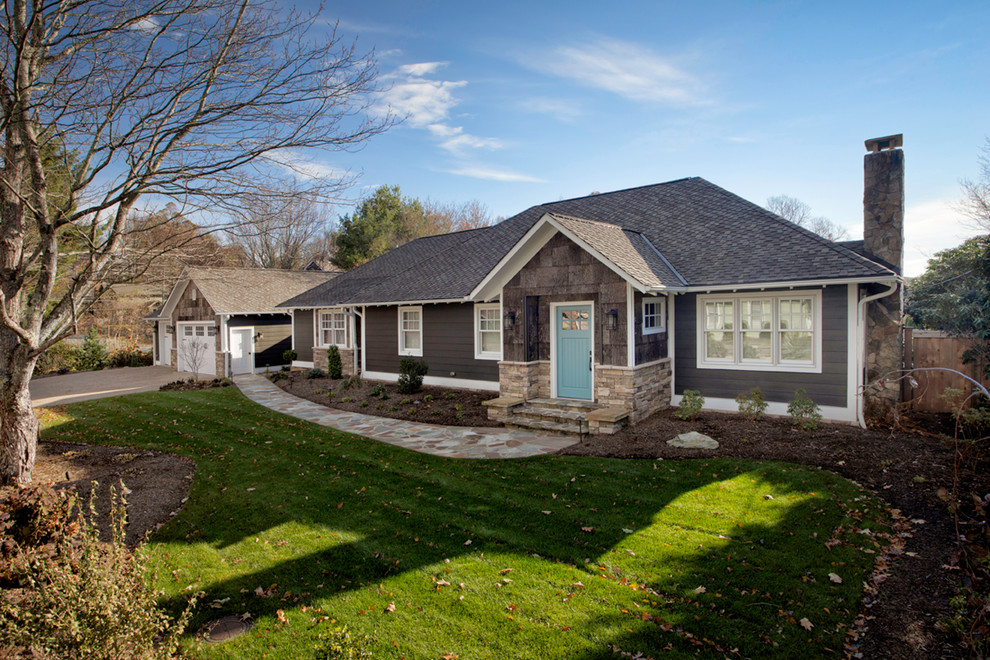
x: 91, y: 355
x: 450, y: 396
x: 313, y: 374
x: 752, y: 404
x: 411, y: 372
x: 341, y: 644
x: 289, y: 355
x: 335, y: 367
x: 379, y: 392
x: 346, y: 399
x: 351, y: 382
x: 691, y: 404
x: 804, y: 411
x: 428, y: 398
x: 278, y: 375
x: 405, y: 402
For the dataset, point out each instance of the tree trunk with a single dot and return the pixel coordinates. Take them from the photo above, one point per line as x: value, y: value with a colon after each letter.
x: 18, y: 425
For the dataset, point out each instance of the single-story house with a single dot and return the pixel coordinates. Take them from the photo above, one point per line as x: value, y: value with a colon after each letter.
x: 608, y: 307
x: 224, y: 321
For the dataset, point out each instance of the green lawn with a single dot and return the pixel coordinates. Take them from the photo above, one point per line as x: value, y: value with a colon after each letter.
x: 550, y: 557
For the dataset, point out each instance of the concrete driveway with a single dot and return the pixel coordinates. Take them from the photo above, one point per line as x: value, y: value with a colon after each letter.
x: 85, y: 385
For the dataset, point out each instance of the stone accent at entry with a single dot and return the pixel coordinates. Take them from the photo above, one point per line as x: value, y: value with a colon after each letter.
x: 346, y: 360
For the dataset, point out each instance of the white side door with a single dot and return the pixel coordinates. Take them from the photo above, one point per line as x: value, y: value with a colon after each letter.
x: 241, y: 351
x: 164, y: 344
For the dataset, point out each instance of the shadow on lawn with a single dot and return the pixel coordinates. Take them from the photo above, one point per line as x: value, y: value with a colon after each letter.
x: 411, y: 511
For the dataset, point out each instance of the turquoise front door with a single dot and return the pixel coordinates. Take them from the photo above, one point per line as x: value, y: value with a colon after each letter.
x: 573, y: 325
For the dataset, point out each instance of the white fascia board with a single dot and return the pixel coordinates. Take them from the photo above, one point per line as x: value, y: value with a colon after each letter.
x: 520, y: 254
x: 787, y: 284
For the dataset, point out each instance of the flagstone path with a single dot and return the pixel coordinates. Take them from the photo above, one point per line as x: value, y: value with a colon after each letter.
x: 449, y: 441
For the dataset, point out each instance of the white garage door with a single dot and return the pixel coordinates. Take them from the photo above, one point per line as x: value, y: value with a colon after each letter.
x: 197, y: 348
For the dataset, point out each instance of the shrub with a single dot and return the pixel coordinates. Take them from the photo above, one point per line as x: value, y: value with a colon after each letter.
x: 405, y: 402
x: 289, y: 356
x: 131, y: 356
x: 313, y: 374
x: 379, y: 391
x: 91, y: 355
x: 60, y: 357
x: 341, y: 644
x: 345, y: 399
x: 804, y: 411
x: 278, y: 375
x: 752, y: 404
x: 86, y: 598
x: 450, y: 396
x: 411, y: 372
x: 335, y: 368
x: 428, y: 398
x: 351, y: 381
x: 691, y: 404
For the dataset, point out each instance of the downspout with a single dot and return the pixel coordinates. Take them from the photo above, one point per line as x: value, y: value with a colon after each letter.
x: 357, y: 349
x: 861, y: 353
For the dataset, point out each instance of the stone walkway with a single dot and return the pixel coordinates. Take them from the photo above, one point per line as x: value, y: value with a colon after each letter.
x: 449, y: 441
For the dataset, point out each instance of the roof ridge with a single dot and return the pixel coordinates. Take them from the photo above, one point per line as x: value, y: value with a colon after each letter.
x: 624, y: 190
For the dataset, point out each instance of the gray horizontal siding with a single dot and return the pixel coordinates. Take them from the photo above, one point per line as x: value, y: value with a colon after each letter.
x: 303, y: 341
x: 448, y: 342
x: 276, y: 336
x: 826, y: 389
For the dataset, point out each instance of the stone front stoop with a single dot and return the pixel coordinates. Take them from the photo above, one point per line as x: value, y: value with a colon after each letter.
x: 559, y: 416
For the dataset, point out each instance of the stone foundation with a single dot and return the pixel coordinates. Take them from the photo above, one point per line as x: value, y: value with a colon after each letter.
x: 642, y: 390
x: 346, y: 360
x: 221, y: 365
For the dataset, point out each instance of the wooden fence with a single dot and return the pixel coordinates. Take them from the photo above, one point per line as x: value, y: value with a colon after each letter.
x: 930, y: 348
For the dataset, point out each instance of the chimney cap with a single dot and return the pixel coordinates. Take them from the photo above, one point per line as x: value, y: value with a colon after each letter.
x: 885, y: 143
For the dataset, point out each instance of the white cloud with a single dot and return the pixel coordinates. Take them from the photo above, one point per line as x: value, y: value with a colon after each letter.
x: 148, y: 25
x: 929, y: 227
x: 426, y: 103
x: 420, y: 69
x: 491, y: 174
x: 566, y: 111
x: 624, y: 68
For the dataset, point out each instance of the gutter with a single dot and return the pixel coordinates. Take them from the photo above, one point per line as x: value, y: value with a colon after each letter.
x: 861, y: 349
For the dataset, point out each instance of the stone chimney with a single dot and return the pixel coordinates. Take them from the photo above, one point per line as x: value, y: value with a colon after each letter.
x: 883, y: 200
x: 883, y: 237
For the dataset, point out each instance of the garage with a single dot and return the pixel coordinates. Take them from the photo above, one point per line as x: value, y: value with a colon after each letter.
x: 197, y: 348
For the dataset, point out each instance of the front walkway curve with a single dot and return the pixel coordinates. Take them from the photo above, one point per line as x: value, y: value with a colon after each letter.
x: 449, y: 441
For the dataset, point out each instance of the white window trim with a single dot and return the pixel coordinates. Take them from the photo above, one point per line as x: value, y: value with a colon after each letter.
x: 737, y: 362
x: 415, y: 352
x: 662, y: 313
x: 478, y: 353
x: 319, y: 328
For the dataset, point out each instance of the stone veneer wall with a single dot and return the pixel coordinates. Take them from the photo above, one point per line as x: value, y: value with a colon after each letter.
x: 643, y: 389
x: 346, y: 360
x: 221, y: 363
x: 524, y: 380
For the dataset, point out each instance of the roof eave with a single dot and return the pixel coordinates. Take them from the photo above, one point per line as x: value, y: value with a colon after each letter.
x: 791, y: 284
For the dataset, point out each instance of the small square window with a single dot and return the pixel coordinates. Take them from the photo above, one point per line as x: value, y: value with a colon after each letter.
x: 654, y: 315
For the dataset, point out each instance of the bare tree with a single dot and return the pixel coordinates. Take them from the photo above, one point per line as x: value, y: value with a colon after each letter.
x: 284, y: 232
x: 445, y: 217
x: 195, y: 101
x: 976, y: 194
x: 798, y: 212
x: 193, y: 353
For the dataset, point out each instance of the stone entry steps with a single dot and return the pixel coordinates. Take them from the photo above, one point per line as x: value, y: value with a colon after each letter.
x: 558, y: 416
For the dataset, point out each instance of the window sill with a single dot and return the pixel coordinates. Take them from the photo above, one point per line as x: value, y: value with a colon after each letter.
x: 777, y: 368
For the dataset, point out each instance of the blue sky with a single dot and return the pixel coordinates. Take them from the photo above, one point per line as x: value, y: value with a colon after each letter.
x: 517, y: 103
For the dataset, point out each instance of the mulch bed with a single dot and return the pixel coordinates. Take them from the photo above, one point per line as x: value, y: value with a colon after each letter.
x: 431, y: 405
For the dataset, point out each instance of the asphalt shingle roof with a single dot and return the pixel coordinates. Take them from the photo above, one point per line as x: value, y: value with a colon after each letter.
x: 252, y: 290
x: 685, y: 232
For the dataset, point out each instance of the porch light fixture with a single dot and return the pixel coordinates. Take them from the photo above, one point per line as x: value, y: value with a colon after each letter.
x: 509, y: 321
x: 612, y: 319
x: 258, y: 336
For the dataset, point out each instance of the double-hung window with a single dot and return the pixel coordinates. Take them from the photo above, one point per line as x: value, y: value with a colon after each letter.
x: 488, y: 332
x: 766, y: 331
x: 333, y: 328
x: 411, y: 331
x: 654, y: 315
